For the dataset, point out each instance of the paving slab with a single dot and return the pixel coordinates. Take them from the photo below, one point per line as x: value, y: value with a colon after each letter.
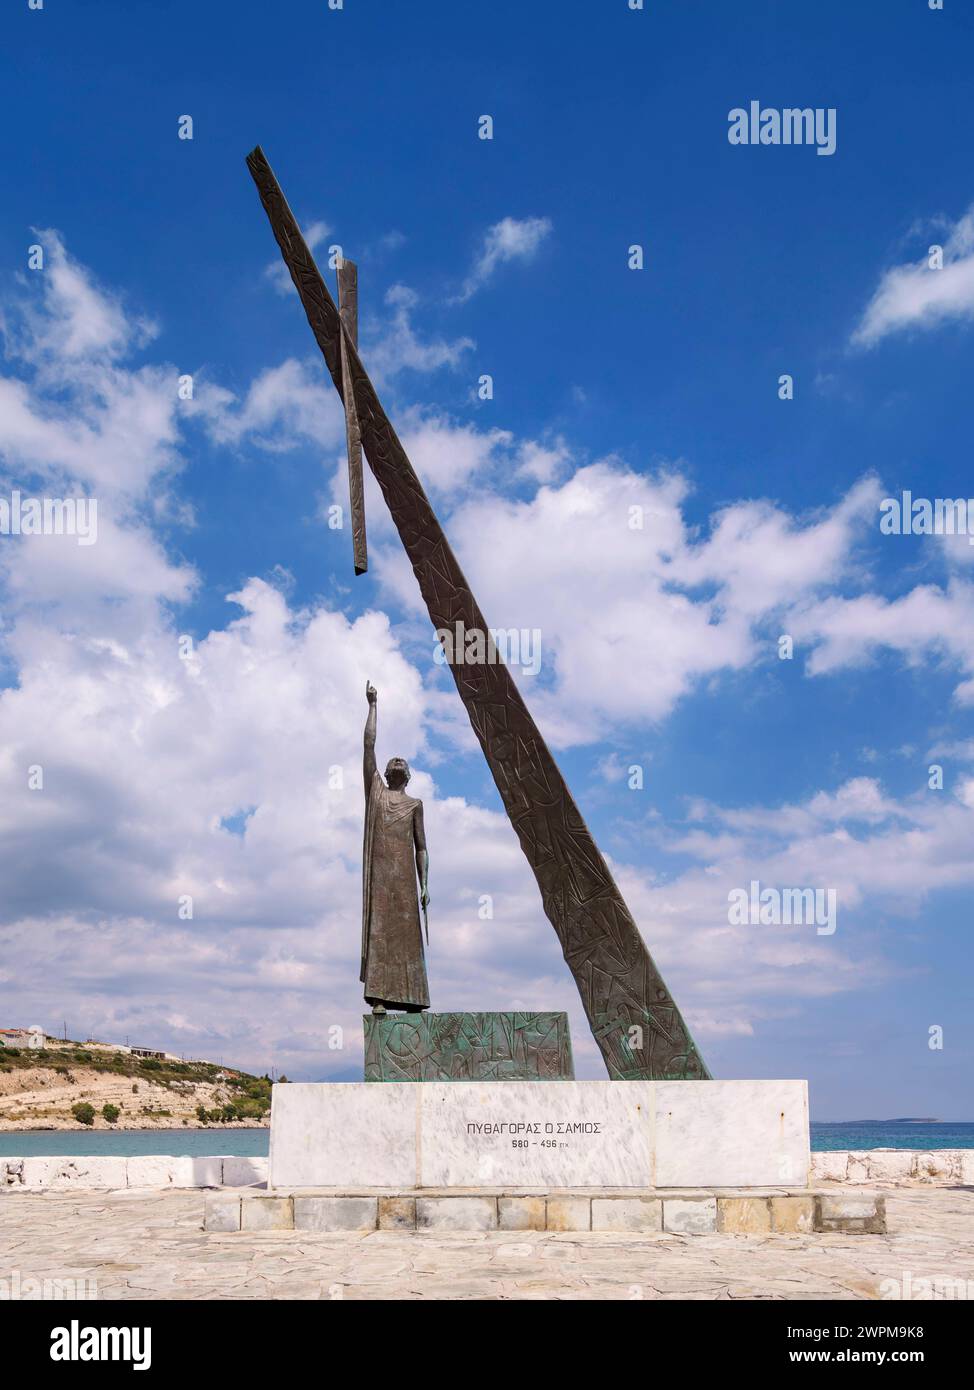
x: 145, y: 1245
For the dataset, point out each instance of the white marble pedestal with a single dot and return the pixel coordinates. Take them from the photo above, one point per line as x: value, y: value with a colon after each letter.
x: 539, y: 1134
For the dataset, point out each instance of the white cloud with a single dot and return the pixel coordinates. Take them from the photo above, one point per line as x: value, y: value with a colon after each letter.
x: 511, y: 239
x: 447, y: 455
x: 884, y: 858
x: 632, y: 619
x: 83, y: 424
x: 285, y: 406
x: 893, y: 853
x: 916, y: 296
x: 79, y: 415
x: 544, y: 463
x: 392, y: 345
x: 763, y: 558
x: 65, y: 316
x: 927, y: 622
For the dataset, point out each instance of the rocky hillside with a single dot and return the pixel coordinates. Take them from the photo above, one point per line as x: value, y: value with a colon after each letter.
x: 68, y: 1087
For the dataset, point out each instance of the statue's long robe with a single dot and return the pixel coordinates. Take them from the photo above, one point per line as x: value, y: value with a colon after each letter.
x: 393, y: 962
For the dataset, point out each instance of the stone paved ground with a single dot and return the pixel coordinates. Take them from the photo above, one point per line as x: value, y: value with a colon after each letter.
x: 151, y: 1245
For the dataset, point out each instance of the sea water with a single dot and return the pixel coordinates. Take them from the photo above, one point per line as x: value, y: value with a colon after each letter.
x: 254, y: 1143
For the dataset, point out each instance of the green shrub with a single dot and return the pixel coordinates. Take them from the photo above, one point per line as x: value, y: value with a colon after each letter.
x: 214, y: 1117
x: 251, y: 1107
x: 111, y: 1113
x: 12, y: 1051
x: 83, y: 1112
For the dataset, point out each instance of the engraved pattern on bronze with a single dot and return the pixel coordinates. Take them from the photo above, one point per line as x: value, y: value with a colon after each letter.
x: 348, y: 309
x: 468, y: 1047
x: 634, y: 1020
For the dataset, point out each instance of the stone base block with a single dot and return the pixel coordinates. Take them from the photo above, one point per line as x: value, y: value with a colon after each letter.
x: 147, y: 1171
x: 695, y: 1216
x: 456, y: 1213
x: 521, y: 1214
x: 745, y: 1215
x: 336, y: 1213
x: 687, y: 1213
x: 542, y: 1134
x: 792, y: 1216
x: 860, y: 1212
x: 221, y: 1212
x: 244, y: 1172
x: 157, y: 1170
x: 944, y: 1167
x: 626, y: 1214
x: 397, y: 1213
x: 568, y: 1214
x: 59, y: 1174
x: 267, y: 1214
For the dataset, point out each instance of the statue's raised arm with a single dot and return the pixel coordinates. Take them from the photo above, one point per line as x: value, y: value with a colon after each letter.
x: 368, y: 762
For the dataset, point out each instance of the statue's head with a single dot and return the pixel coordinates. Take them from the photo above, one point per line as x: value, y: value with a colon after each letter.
x: 397, y: 773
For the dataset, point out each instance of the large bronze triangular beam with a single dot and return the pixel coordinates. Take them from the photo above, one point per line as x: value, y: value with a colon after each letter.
x: 633, y: 1017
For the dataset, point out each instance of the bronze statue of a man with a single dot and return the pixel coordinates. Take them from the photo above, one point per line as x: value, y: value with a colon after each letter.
x: 393, y: 961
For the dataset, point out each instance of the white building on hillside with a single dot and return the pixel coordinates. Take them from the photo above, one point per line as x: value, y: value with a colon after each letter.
x: 22, y: 1037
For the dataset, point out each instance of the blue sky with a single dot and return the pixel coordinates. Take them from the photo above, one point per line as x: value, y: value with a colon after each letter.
x: 612, y: 387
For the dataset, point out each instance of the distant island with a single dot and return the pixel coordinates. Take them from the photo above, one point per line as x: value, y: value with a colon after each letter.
x: 900, y: 1120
